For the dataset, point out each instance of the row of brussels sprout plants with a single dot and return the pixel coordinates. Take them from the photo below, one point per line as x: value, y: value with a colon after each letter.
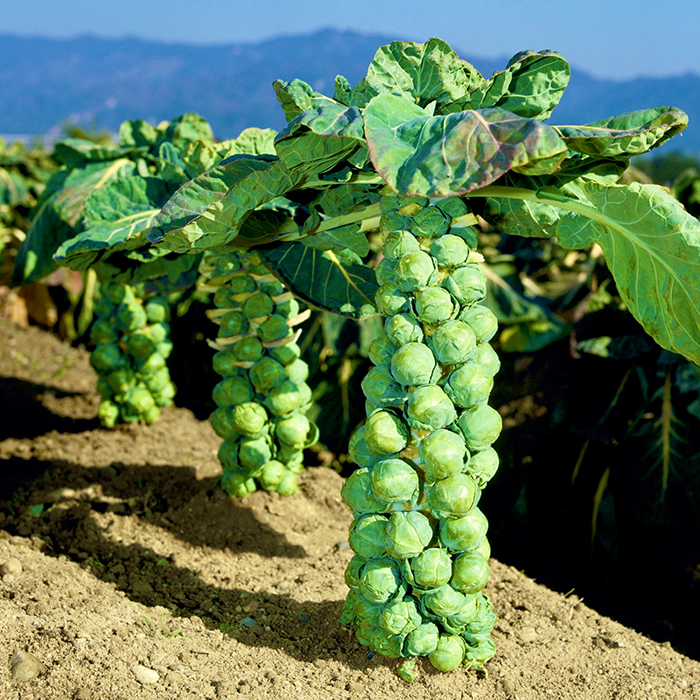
x: 368, y: 203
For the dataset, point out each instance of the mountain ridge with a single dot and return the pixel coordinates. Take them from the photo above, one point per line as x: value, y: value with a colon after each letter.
x: 104, y: 81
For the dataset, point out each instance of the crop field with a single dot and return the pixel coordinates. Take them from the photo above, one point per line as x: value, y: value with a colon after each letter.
x: 400, y: 400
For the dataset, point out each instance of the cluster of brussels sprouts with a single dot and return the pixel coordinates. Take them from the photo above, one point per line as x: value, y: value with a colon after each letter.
x: 263, y: 395
x: 424, y: 452
x: 131, y: 349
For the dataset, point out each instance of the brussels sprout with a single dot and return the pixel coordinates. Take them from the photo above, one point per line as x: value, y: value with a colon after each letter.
x: 258, y: 305
x: 394, y: 480
x: 352, y: 571
x: 434, y: 305
x: 224, y: 363
x: 381, y: 350
x: 452, y: 207
x: 368, y: 536
x: 391, y: 221
x: 452, y: 497
x: 287, y: 309
x: 103, y: 331
x: 222, y: 423
x: 408, y: 534
x: 430, y: 408
x: 443, y: 453
x: 285, y: 398
x: 130, y: 316
x: 470, y: 572
x: 443, y: 601
x: 453, y: 342
x: 449, y: 653
x: 293, y: 431
x: 465, y: 533
x: 481, y: 622
x: 387, y: 644
x: 228, y: 455
x: 483, y: 466
x: 288, y: 483
x: 414, y: 364
x: 457, y: 623
x: 249, y: 418
x: 103, y: 387
x: 367, y: 612
x: 429, y: 222
x: 224, y: 298
x: 274, y: 288
x: 253, y: 453
x: 402, y: 329
x: 140, y: 344
x: 286, y: 354
x: 117, y: 293
x: 385, y: 433
x: 266, y: 374
x: 398, y: 243
x: 248, y: 349
x: 487, y: 357
x: 407, y: 670
x: 232, y: 390
x: 358, y: 451
x: 449, y: 251
x: 165, y: 396
x: 237, y: 484
x: 482, y: 321
x: 242, y: 284
x: 232, y: 324
x: 157, y: 310
x: 271, y: 474
x: 422, y: 641
x: 107, y: 357
x: 480, y: 426
x: 386, y: 271
x: 480, y: 653
x: 151, y: 415
x: 138, y: 401
x: 108, y: 413
x: 390, y: 300
x: 469, y: 385
x: 152, y: 364
x: 164, y: 349
x: 432, y: 568
x: 381, y: 389
x: 104, y: 308
x: 380, y: 580
x: 159, y: 331
x: 400, y: 616
x: 484, y: 549
x: 297, y: 371
x: 274, y: 328
x: 467, y: 284
x: 415, y: 271
x: 348, y: 614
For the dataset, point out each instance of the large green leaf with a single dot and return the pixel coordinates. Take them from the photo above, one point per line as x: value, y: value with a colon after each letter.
x: 60, y: 216
x: 323, y: 279
x: 629, y: 134
x: 320, y: 138
x: 211, y: 209
x: 186, y: 128
x: 77, y: 152
x: 120, y: 268
x: 296, y: 97
x: 651, y: 245
x: 531, y: 86
x: 453, y: 154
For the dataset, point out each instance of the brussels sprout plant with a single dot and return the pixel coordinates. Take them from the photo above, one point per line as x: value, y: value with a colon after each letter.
x: 411, y: 160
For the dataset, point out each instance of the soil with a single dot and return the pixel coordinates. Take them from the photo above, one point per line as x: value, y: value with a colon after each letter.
x: 127, y: 573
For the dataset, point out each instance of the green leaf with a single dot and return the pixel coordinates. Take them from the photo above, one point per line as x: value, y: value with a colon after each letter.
x: 322, y: 279
x: 60, y: 215
x: 453, y: 154
x: 75, y: 153
x: 120, y: 268
x: 629, y: 134
x: 296, y: 97
x: 187, y: 128
x: 211, y: 209
x: 622, y: 348
x: 651, y: 245
x: 348, y: 237
x: 138, y: 133
x: 531, y: 86
x: 320, y: 138
x: 253, y: 141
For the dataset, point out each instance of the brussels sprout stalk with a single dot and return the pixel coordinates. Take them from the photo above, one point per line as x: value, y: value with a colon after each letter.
x: 131, y: 348
x: 263, y: 394
x: 425, y: 450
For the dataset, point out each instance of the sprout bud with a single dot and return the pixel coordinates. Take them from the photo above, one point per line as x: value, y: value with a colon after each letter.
x: 429, y: 222
x: 288, y: 483
x: 398, y: 243
x: 107, y: 357
x: 400, y: 616
x: 443, y: 601
x: 469, y: 385
x: 131, y: 316
x: 293, y: 431
x: 140, y: 344
x: 415, y: 271
x: 394, y: 480
x: 434, y: 305
x: 237, y: 484
x: 358, y: 451
x: 248, y: 418
x: 271, y: 474
x: 352, y: 571
x: 432, y: 568
x: 386, y: 271
x: 158, y: 310
x: 443, y: 453
x: 483, y: 466
x: 297, y: 371
x: 273, y: 328
x: 467, y: 284
x: 108, y: 413
x: 286, y: 354
x: 422, y: 641
x: 453, y: 342
x: 482, y: 321
x: 380, y: 388
x: 414, y: 364
x: 285, y: 398
x: 480, y: 426
x: 452, y: 207
x: 253, y: 453
x: 266, y: 374
x: 117, y: 293
x: 368, y: 536
x: 430, y: 408
x: 449, y: 251
x: 232, y: 391
x: 390, y: 300
x: 385, y: 433
x: 358, y: 494
x: 408, y: 534
x: 466, y: 533
x: 452, y: 497
x: 248, y: 349
x: 402, y: 329
x: 487, y: 357
x: 224, y: 363
x: 232, y: 324
x: 381, y: 350
x: 380, y: 580
x: 242, y: 284
x: 258, y: 305
x: 470, y: 572
x: 103, y: 331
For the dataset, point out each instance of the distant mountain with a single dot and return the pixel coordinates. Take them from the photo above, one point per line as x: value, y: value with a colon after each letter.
x: 44, y: 82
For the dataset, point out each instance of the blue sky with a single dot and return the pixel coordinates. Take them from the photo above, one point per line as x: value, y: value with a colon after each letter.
x: 608, y: 38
